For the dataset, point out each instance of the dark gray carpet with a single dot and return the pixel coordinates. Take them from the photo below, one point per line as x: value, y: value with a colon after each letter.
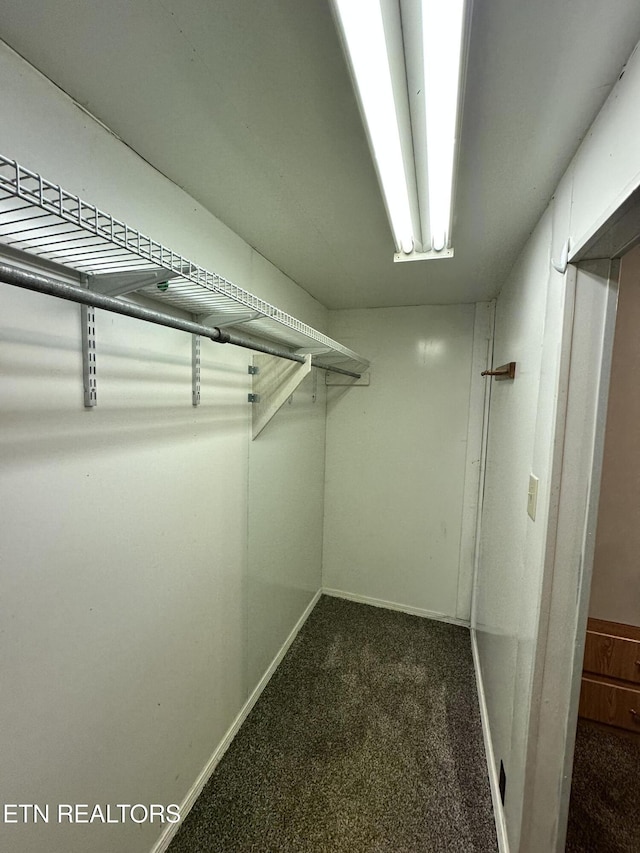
x: 367, y: 738
x: 603, y: 814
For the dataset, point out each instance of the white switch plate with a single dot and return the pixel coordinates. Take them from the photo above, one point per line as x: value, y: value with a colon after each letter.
x: 532, y: 496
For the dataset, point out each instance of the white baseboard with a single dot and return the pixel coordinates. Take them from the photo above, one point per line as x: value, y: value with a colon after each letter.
x: 170, y: 829
x: 498, y: 808
x: 393, y: 605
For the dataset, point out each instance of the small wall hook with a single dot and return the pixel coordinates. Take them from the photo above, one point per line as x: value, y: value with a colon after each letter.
x: 561, y: 264
x: 505, y: 371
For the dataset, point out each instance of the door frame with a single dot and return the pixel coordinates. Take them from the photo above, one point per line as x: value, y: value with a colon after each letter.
x: 591, y: 295
x: 585, y: 366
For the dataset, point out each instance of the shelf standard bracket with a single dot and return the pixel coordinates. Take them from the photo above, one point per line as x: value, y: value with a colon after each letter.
x: 318, y: 350
x: 89, y: 373
x: 272, y: 386
x: 195, y: 370
x: 119, y: 283
x: 220, y: 319
x: 339, y: 379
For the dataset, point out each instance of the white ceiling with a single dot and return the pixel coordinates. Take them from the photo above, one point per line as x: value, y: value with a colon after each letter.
x: 248, y: 105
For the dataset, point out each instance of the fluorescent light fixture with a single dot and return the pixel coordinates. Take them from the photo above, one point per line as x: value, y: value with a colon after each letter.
x: 429, y: 44
x: 442, y: 25
x: 364, y: 36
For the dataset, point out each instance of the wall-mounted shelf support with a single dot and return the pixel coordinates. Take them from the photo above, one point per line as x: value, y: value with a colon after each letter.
x: 89, y: 368
x: 273, y: 385
x: 348, y: 381
x: 227, y: 319
x: 319, y: 350
x: 505, y: 371
x: 195, y: 370
x: 119, y: 283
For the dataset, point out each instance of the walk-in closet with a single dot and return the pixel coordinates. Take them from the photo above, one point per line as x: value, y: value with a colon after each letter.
x: 302, y: 410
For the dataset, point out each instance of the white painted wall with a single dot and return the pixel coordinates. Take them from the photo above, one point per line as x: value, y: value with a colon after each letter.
x: 515, y: 580
x: 508, y: 590
x: 615, y: 585
x: 396, y: 455
x: 286, y: 488
x: 605, y: 170
x: 149, y: 573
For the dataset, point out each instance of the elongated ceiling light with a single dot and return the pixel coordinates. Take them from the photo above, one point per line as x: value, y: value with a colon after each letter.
x: 413, y: 109
x: 442, y: 22
x: 365, y: 42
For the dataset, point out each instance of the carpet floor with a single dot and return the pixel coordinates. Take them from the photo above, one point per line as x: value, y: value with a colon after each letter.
x: 367, y: 738
x: 603, y: 813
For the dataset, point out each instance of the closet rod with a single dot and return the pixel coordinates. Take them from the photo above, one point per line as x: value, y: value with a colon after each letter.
x: 73, y: 293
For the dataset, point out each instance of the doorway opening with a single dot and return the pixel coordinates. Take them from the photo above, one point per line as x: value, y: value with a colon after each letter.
x: 592, y: 283
x: 607, y: 748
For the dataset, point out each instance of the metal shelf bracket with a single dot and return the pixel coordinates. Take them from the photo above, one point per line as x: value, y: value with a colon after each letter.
x: 221, y: 319
x: 195, y: 370
x: 119, y: 283
x: 337, y: 379
x: 89, y: 373
x: 272, y: 386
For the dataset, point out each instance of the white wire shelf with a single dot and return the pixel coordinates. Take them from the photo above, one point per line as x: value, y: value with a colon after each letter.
x: 44, y: 220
